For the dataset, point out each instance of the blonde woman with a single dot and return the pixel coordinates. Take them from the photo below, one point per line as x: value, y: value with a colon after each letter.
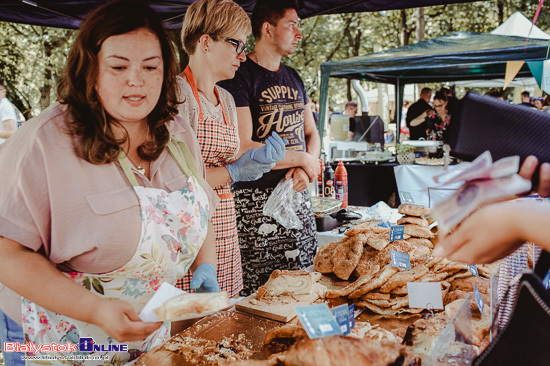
x: 214, y: 34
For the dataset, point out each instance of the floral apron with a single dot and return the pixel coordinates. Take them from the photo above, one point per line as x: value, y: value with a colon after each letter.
x: 173, y: 229
x: 219, y: 142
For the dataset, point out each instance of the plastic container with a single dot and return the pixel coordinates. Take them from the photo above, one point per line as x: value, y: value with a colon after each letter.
x: 339, y: 127
x: 341, y: 184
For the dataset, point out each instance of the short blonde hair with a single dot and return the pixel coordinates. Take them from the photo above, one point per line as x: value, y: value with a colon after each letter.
x: 220, y: 19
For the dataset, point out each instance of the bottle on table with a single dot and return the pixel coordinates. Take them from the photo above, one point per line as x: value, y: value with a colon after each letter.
x: 328, y: 180
x: 320, y: 185
x: 341, y: 184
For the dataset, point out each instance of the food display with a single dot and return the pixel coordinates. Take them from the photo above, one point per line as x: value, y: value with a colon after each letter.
x: 357, y: 269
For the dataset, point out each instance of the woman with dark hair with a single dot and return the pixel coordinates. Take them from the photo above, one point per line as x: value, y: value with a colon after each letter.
x: 104, y: 195
x: 438, y: 118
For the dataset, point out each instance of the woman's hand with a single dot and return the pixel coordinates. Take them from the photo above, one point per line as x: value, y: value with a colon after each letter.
x: 528, y: 169
x: 299, y: 177
x: 119, y: 320
x: 490, y: 233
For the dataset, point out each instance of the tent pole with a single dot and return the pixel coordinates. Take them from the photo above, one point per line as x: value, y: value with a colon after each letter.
x: 323, y: 102
x: 399, y: 92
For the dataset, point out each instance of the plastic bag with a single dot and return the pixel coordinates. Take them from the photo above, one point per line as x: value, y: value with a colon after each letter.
x: 280, y: 205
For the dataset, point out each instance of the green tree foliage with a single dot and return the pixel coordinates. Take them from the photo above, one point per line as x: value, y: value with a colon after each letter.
x: 32, y: 58
x: 31, y: 61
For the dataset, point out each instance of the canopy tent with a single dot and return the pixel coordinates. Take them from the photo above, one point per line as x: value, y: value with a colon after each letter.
x: 516, y: 25
x: 68, y: 14
x: 457, y: 56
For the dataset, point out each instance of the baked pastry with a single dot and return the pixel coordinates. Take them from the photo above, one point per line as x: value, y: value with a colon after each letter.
x: 413, y: 210
x: 283, y: 282
x: 413, y: 220
x: 192, y: 304
x: 418, y: 231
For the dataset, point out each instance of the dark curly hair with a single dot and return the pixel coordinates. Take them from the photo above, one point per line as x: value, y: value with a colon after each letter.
x: 87, y: 119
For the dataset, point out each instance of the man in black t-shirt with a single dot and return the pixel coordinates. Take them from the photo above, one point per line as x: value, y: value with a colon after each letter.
x: 416, y: 115
x: 271, y: 96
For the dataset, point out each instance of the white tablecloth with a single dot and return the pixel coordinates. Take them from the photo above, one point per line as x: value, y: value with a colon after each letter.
x: 416, y: 185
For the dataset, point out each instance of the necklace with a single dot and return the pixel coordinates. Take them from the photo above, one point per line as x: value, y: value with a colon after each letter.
x: 139, y: 168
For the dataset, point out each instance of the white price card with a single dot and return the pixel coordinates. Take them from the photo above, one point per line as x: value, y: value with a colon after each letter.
x: 425, y: 295
x: 317, y: 320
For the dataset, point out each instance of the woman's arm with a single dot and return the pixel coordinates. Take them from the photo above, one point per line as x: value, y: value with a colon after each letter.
x: 496, y: 230
x: 207, y: 253
x: 217, y: 176
x: 34, y: 277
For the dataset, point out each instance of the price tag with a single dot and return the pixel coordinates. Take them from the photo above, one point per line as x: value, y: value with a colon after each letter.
x: 406, y: 197
x: 341, y: 314
x: 400, y: 260
x: 317, y: 320
x: 396, y: 232
x: 425, y: 295
x: 473, y: 268
x: 479, y: 300
x: 351, y: 310
x: 384, y: 224
x: 546, y: 281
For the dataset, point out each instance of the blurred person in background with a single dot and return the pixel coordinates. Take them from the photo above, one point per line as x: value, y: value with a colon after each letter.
x: 416, y: 115
x: 9, y: 115
x: 439, y: 118
x: 526, y: 100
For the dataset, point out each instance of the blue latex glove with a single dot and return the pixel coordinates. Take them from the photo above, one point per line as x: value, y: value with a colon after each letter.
x: 205, y: 279
x: 245, y: 169
x: 273, y: 151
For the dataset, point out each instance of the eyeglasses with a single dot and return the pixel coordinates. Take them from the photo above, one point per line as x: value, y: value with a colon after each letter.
x: 239, y: 45
x: 438, y: 105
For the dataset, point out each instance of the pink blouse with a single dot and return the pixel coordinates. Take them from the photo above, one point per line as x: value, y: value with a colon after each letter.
x: 82, y: 217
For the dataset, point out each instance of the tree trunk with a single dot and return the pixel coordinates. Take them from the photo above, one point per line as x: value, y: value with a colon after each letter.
x: 419, y: 25
x: 405, y: 32
x: 420, y: 31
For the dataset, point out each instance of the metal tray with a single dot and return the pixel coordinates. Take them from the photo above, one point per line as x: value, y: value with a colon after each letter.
x: 216, y: 327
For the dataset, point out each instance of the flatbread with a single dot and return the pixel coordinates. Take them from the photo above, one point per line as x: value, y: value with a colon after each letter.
x: 413, y: 220
x: 421, y: 241
x: 418, y: 231
x: 387, y: 311
x: 346, y: 256
x: 378, y: 280
x: 352, y: 286
x: 323, y: 259
x: 413, y: 210
x: 401, y: 278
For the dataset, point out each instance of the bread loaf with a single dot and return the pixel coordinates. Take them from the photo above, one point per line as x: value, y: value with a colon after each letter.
x: 191, y: 304
x: 283, y: 282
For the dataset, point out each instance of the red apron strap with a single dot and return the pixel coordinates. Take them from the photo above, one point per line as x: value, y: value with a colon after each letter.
x: 191, y: 81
